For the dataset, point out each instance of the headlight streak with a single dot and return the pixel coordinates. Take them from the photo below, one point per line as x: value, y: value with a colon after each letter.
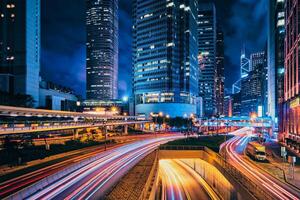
x: 267, y: 183
x: 108, y: 166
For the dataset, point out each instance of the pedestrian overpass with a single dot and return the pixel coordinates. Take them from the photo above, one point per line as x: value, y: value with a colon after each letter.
x: 27, y: 120
x: 223, y: 122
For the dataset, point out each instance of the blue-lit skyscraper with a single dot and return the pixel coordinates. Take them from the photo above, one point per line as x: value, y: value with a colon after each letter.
x: 207, y: 36
x: 20, y: 47
x: 102, y: 49
x: 165, y: 66
x: 245, y: 64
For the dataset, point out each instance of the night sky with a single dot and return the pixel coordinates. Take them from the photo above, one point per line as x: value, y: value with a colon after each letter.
x: 63, y: 39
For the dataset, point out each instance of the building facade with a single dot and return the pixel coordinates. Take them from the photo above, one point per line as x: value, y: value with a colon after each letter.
x: 236, y: 104
x: 291, y: 114
x: 258, y: 62
x: 227, y: 106
x: 245, y: 64
x: 207, y: 37
x: 220, y: 73
x: 56, y: 97
x: 165, y: 67
x: 102, y: 49
x: 276, y: 34
x: 20, y: 47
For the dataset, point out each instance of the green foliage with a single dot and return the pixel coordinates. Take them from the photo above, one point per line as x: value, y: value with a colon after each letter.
x: 179, y: 122
x: 12, y: 150
x: 20, y: 100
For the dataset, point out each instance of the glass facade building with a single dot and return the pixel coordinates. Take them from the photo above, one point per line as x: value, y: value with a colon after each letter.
x: 245, y: 64
x: 291, y: 110
x: 20, y: 47
x: 102, y: 49
x: 207, y: 36
x: 165, y: 66
x: 220, y: 73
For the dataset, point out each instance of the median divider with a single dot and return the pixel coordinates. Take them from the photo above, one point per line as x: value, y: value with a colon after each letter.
x: 34, y: 188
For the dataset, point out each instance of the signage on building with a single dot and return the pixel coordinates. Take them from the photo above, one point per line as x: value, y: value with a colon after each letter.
x: 295, y: 103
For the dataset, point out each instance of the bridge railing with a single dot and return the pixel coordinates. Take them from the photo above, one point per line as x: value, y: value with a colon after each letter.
x: 241, y: 178
x: 180, y: 147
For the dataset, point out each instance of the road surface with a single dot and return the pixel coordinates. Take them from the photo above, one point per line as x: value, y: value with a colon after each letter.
x: 234, y: 149
x: 181, y: 182
x: 15, y: 184
x: 92, y: 179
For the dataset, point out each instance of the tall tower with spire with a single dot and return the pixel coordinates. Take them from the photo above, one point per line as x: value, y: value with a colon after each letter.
x: 245, y: 63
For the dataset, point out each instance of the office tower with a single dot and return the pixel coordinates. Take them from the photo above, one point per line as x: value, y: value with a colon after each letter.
x: 227, y: 106
x: 102, y: 49
x: 252, y: 99
x: 236, y: 104
x: 207, y: 57
x: 257, y: 59
x: 276, y: 34
x: 291, y: 109
x: 245, y: 68
x: 165, y: 70
x: 20, y: 47
x: 220, y: 72
x: 236, y: 87
x: 245, y: 64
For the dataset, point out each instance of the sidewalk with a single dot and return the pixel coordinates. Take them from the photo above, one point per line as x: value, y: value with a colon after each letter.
x: 280, y: 169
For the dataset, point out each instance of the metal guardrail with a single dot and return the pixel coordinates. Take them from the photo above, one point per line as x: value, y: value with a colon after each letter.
x: 12, y: 130
x: 181, y: 147
x: 242, y: 179
x: 247, y: 183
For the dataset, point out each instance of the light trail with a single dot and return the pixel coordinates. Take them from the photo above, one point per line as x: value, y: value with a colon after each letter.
x: 180, y: 181
x: 278, y: 189
x: 94, y: 178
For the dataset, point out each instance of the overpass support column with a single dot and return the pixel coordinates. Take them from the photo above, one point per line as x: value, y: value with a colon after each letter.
x: 143, y: 127
x: 75, y: 134
x: 125, y: 129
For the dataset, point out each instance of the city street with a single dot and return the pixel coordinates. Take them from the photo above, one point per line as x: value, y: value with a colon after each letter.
x: 94, y: 176
x: 234, y: 154
x: 179, y: 181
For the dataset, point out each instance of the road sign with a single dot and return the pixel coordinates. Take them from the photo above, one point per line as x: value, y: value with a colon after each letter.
x: 292, y: 159
x: 283, y: 151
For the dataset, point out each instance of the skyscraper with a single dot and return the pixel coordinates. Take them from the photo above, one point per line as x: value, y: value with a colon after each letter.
x: 291, y: 110
x: 165, y: 68
x: 102, y: 49
x: 20, y: 47
x: 220, y: 72
x: 245, y: 64
x: 276, y: 34
x: 258, y: 60
x: 207, y: 36
x: 252, y: 91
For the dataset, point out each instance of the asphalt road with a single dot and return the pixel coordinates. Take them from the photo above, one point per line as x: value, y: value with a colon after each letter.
x: 13, y: 185
x: 181, y: 182
x: 270, y: 185
x: 95, y: 177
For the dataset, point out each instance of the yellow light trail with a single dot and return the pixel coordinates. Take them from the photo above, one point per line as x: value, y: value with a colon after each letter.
x: 180, y: 181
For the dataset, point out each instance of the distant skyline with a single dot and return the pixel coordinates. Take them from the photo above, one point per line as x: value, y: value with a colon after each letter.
x: 64, y: 38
